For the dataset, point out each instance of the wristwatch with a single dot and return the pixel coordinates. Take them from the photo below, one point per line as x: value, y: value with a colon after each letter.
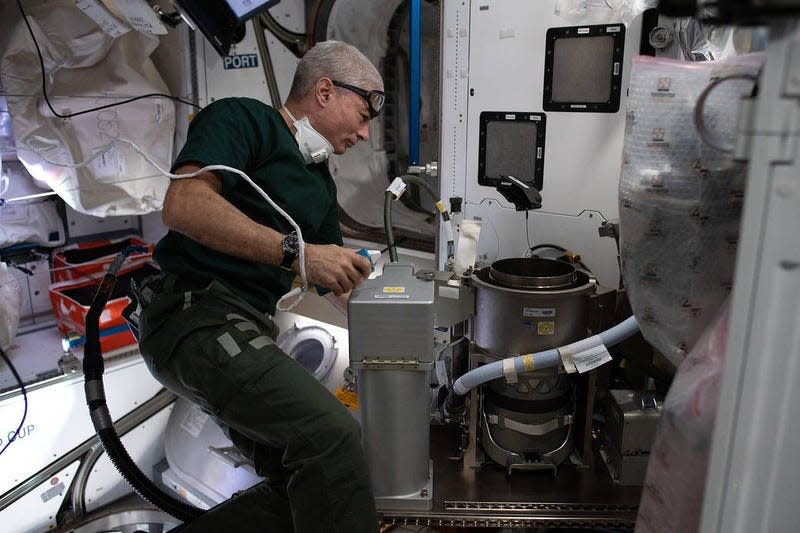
x: 290, y: 250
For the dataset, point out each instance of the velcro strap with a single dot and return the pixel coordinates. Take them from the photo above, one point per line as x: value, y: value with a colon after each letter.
x: 509, y: 371
x: 566, y: 359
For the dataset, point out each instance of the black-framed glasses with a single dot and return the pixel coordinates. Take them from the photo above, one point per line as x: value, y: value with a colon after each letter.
x: 375, y: 99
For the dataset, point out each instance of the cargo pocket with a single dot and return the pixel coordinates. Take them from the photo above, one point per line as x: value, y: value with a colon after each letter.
x: 223, y: 352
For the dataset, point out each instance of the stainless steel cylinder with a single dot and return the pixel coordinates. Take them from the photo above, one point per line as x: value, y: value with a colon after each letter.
x: 529, y: 304
x: 533, y: 273
x: 522, y: 306
x: 395, y: 422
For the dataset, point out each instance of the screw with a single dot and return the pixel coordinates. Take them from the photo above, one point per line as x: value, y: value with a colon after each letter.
x: 424, y: 493
x: 785, y: 190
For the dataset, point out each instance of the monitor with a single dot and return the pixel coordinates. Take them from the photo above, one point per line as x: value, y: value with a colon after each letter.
x: 221, y: 20
x: 511, y: 144
x: 583, y: 68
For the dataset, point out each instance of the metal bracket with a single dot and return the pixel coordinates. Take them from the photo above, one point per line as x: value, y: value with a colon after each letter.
x: 230, y: 455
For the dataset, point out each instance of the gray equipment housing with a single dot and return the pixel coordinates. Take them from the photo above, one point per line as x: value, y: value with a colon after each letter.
x: 391, y: 317
x: 391, y: 321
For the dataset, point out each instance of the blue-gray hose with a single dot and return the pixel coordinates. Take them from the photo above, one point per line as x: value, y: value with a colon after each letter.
x: 545, y: 359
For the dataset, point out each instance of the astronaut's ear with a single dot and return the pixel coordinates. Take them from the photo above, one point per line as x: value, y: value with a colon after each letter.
x: 324, y: 89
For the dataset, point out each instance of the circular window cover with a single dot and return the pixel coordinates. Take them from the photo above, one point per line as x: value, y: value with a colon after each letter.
x: 311, y: 346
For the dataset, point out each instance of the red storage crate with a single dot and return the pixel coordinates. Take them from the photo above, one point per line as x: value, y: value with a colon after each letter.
x: 71, y: 301
x: 89, y: 260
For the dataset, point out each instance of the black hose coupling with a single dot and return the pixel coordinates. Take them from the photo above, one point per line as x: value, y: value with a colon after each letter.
x: 455, y: 405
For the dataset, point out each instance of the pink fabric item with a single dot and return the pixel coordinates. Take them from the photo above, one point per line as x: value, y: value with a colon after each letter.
x: 672, y: 498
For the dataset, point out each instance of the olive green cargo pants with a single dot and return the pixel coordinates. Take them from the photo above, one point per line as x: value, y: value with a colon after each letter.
x: 214, y: 349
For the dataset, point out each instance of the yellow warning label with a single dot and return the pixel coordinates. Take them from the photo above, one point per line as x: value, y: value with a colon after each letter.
x: 545, y: 328
x: 527, y: 362
x: 348, y: 398
x: 394, y: 290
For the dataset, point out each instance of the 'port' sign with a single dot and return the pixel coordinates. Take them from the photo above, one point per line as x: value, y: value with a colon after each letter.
x: 240, y: 61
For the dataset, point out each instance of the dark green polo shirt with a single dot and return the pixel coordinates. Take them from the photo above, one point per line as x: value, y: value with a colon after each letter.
x: 249, y: 135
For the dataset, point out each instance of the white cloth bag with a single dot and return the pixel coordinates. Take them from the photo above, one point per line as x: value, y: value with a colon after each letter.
x: 87, y: 68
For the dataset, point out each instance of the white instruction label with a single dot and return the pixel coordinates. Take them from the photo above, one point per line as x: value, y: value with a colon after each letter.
x: 109, y: 165
x: 194, y: 421
x: 140, y: 16
x: 591, y: 358
x: 95, y: 10
x: 539, y: 312
x: 14, y: 213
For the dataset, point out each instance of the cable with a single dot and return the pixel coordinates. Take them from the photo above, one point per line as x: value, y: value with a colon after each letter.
x: 388, y: 197
x: 394, y: 244
x: 393, y: 192
x: 410, y: 178
x: 699, y: 122
x: 266, y: 63
x: 566, y: 253
x: 94, y: 389
x: 281, y: 32
x: 440, y: 207
x: 619, y: 262
x: 44, y: 82
x: 547, y: 245
x: 4, y: 201
x: 24, y: 399
x: 48, y: 144
x: 527, y: 231
x: 294, y: 42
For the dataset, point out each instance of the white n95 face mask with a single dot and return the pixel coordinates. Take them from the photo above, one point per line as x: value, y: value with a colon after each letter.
x: 313, y: 145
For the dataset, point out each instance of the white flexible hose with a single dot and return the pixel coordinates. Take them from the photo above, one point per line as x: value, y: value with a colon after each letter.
x: 48, y: 144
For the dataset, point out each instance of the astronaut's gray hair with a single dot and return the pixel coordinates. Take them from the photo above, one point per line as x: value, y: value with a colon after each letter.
x: 338, y: 61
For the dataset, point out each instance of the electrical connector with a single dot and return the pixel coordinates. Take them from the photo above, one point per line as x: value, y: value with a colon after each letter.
x: 431, y: 169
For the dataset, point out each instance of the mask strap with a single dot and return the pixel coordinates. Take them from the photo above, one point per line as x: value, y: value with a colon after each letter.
x: 289, y: 113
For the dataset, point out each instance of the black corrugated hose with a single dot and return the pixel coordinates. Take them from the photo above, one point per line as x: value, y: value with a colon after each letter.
x: 98, y: 409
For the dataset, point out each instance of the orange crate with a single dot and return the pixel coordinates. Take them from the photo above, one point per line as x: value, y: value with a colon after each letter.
x: 89, y: 260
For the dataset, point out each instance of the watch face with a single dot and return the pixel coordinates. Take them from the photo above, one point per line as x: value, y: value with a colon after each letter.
x: 290, y: 244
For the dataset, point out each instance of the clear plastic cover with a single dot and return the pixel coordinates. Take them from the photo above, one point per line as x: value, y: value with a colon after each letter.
x: 680, y: 199
x: 602, y: 11
x: 10, y: 302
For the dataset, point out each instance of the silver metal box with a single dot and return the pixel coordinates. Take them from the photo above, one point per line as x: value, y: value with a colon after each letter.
x: 631, y: 423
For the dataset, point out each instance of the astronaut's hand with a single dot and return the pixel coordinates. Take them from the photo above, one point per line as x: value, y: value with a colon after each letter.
x: 335, y: 268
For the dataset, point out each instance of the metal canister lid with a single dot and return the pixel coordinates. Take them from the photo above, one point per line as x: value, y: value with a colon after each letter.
x: 532, y: 273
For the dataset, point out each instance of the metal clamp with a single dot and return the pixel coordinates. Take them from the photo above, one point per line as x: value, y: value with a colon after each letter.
x: 534, y: 430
